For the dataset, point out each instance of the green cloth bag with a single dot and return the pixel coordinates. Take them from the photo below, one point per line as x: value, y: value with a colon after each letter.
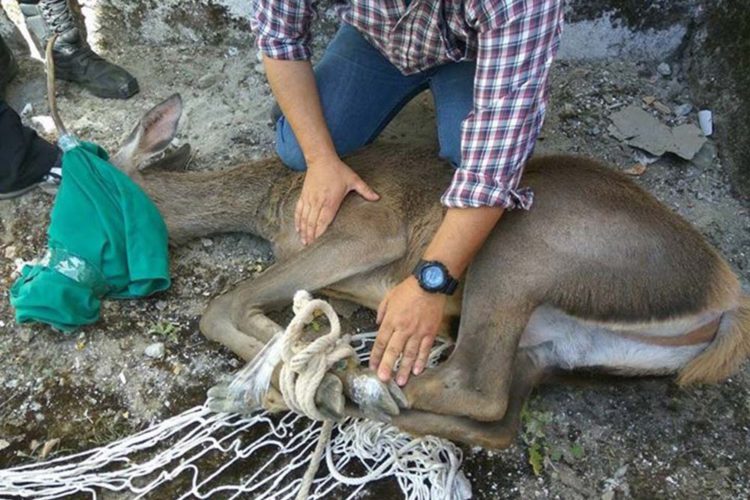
x: 106, y: 239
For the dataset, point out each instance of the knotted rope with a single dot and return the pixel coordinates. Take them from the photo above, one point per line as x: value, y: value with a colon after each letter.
x: 304, y: 367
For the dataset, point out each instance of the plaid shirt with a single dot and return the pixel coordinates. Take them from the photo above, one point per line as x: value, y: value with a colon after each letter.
x: 513, y: 43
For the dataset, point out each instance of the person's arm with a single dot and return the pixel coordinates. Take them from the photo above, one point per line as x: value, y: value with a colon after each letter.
x: 515, y: 54
x: 328, y: 179
x: 283, y: 29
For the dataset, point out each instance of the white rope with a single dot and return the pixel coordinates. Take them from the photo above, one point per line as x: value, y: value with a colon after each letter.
x: 304, y: 367
x: 199, y: 453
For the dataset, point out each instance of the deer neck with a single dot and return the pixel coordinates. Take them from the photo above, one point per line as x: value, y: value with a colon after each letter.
x: 242, y: 199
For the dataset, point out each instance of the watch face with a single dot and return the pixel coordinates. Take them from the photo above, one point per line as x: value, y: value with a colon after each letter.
x: 433, y: 277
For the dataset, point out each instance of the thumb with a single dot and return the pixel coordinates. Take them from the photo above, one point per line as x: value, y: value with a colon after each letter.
x: 365, y: 191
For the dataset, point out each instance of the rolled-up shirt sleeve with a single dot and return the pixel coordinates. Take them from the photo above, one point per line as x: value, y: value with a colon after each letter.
x: 282, y: 28
x: 516, y: 46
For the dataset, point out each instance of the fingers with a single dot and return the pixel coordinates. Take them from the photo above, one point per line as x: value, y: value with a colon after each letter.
x: 381, y: 342
x: 298, y: 215
x: 411, y: 350
x: 424, y: 354
x: 324, y: 220
x: 365, y: 191
x: 308, y: 224
x: 390, y: 356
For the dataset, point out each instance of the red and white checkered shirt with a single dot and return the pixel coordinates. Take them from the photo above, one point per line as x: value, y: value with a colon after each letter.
x: 513, y: 43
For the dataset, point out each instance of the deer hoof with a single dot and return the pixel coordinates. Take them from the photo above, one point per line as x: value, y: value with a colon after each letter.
x: 377, y: 400
x: 329, y: 398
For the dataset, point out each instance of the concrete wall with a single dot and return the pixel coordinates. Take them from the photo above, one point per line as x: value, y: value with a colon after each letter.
x: 717, y: 61
x: 595, y: 28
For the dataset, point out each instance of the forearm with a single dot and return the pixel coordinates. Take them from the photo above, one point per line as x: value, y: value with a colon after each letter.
x: 293, y: 85
x: 461, y: 235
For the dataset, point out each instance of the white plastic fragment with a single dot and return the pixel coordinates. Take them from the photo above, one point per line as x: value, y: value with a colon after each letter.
x: 706, y: 120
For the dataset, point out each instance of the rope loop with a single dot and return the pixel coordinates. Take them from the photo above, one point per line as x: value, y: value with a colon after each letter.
x: 305, y: 365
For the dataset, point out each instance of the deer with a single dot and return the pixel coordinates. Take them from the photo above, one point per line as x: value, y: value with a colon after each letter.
x: 597, y: 276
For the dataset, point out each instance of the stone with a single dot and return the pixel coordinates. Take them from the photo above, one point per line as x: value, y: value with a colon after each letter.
x: 706, y: 156
x: 207, y: 80
x: 664, y: 69
x: 683, y: 109
x: 688, y: 140
x: 640, y: 129
x: 662, y: 108
x: 260, y: 69
x: 155, y: 351
x: 568, y: 111
x: 10, y: 252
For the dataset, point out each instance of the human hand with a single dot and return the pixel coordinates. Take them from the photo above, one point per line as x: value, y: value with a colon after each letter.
x: 409, y: 319
x: 325, y: 187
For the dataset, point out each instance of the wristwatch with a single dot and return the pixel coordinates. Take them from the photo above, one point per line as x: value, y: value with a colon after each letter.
x: 434, y: 277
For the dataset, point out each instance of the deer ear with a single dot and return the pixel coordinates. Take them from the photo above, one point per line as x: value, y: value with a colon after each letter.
x: 151, y: 135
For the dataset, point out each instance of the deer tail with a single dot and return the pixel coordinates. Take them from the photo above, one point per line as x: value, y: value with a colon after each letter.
x: 726, y: 353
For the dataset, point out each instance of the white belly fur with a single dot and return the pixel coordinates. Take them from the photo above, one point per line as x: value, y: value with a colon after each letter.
x: 558, y: 340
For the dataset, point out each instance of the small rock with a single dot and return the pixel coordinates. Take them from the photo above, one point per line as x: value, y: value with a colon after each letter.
x: 704, y: 159
x: 232, y: 51
x: 3, y: 444
x: 207, y: 81
x: 683, y: 109
x: 649, y: 100
x: 26, y: 335
x: 27, y: 109
x: 664, y: 69
x: 608, y: 495
x: 10, y: 252
x: 568, y: 111
x: 259, y: 68
x: 161, y: 305
x: 594, y: 131
x: 155, y: 351
x: 207, y: 242
x: 661, y: 108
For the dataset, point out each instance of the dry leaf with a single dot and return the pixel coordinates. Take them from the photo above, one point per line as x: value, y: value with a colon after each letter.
x: 48, y: 447
x: 636, y: 170
x: 662, y: 108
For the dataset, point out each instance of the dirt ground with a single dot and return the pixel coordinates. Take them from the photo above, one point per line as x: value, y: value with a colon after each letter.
x: 596, y: 438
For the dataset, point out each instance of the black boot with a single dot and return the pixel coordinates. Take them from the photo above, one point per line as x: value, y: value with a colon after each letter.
x: 8, y: 67
x: 74, y: 59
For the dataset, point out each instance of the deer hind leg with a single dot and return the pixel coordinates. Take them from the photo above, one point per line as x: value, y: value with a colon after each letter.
x: 475, y: 380
x: 527, y: 373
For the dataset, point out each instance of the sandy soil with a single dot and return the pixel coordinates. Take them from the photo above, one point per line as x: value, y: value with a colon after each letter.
x: 599, y: 438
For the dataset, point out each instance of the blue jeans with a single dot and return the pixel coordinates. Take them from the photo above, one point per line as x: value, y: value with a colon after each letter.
x: 361, y: 92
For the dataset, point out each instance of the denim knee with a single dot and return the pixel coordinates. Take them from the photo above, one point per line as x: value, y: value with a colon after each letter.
x: 450, y: 149
x: 288, y: 148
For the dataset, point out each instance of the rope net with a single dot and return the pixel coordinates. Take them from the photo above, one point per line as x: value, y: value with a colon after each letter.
x: 201, y: 453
